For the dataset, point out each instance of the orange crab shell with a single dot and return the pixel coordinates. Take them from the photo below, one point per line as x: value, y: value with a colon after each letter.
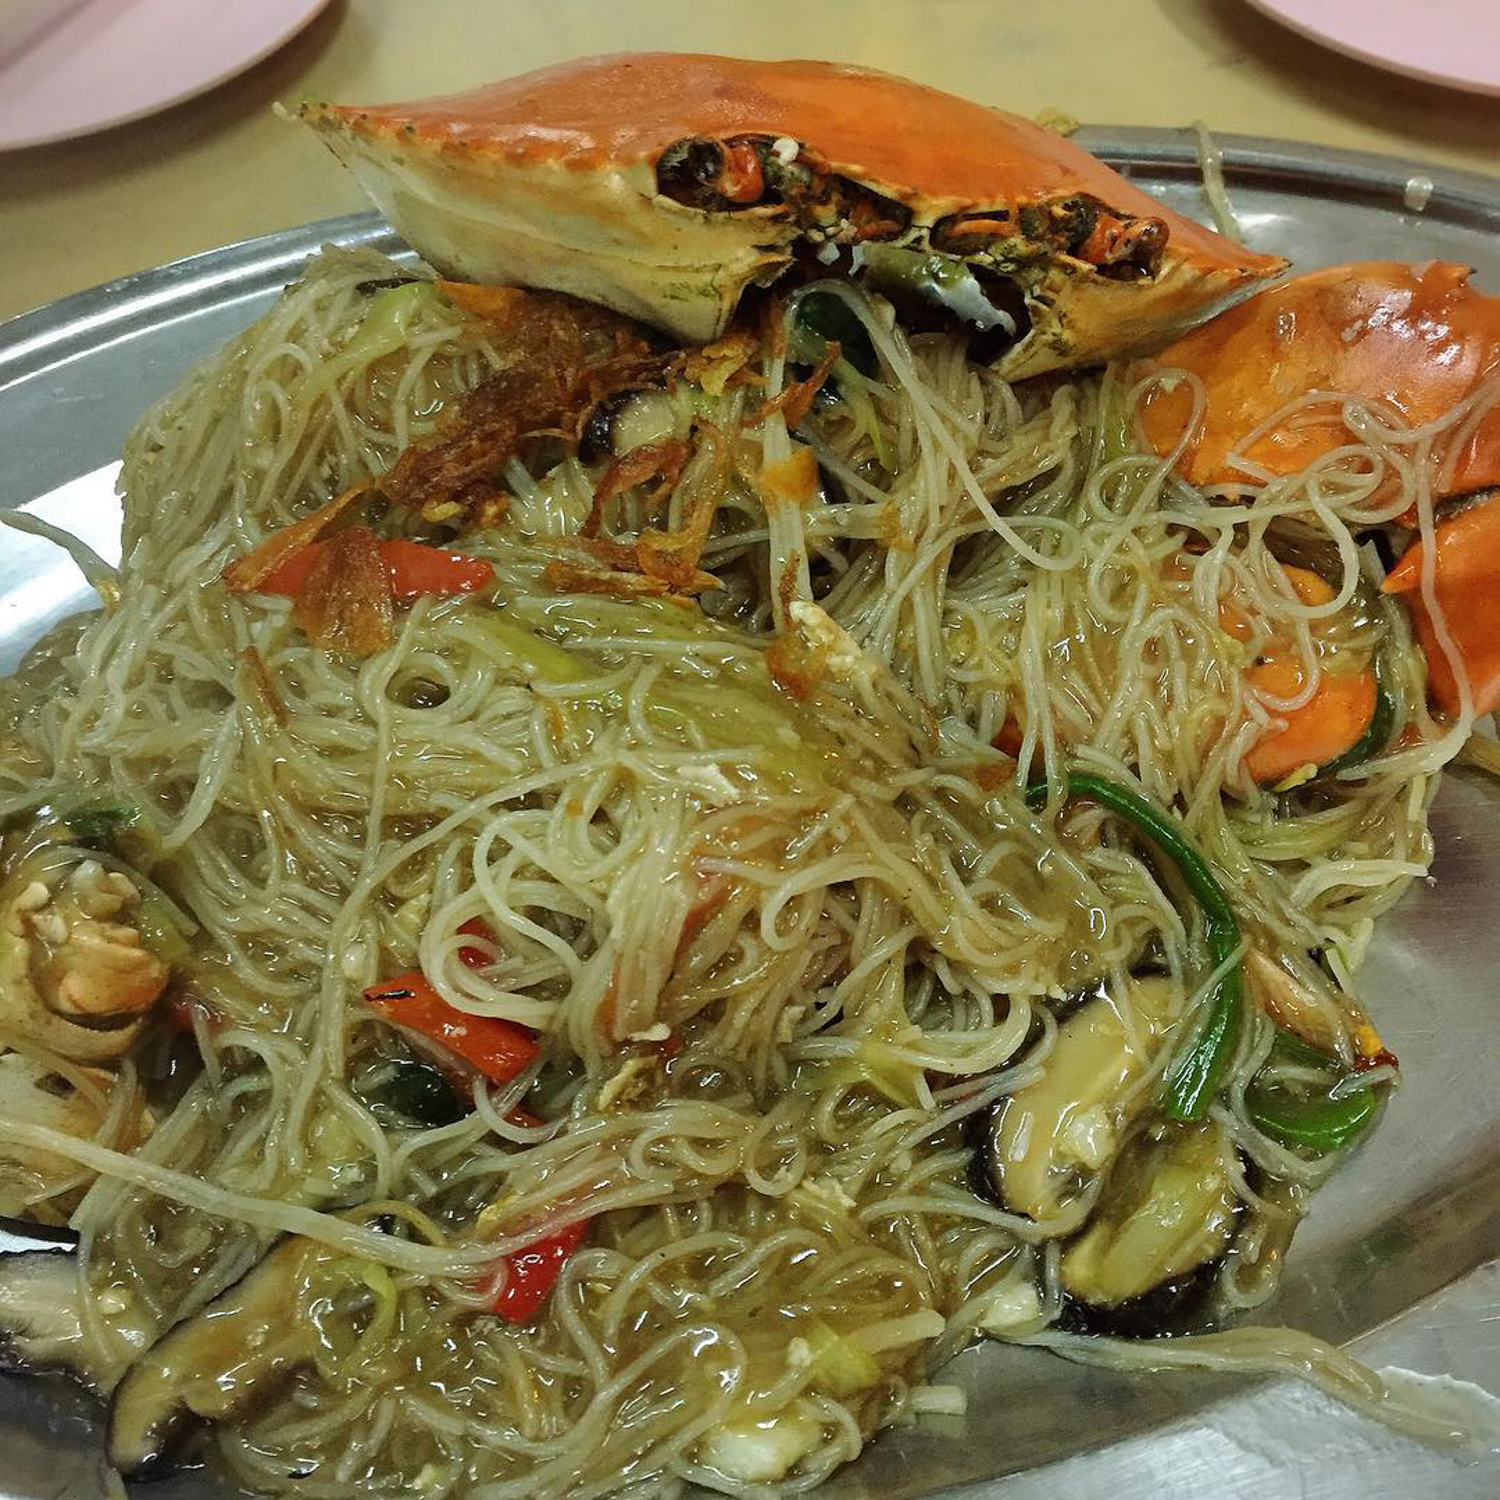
x: 549, y: 179
x: 1418, y: 339
x: 1466, y: 590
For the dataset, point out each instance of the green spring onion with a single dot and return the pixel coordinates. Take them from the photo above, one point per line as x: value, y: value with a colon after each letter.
x: 1195, y: 1074
x: 824, y: 318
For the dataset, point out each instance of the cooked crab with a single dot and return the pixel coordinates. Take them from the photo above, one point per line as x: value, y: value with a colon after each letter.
x: 664, y: 185
x: 1414, y: 340
x: 1466, y: 592
x: 1415, y: 343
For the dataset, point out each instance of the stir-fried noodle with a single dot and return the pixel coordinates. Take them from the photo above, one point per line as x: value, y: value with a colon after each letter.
x: 749, y: 864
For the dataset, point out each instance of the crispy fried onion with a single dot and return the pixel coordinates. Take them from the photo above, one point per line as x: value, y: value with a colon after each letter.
x: 795, y: 401
x: 348, y: 603
x: 559, y: 359
x: 662, y: 461
x: 659, y: 564
x: 715, y: 367
x: 791, y: 481
x: 264, y: 686
x: 246, y: 574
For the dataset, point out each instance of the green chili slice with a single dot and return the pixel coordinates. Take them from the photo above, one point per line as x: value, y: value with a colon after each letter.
x: 1294, y: 1049
x: 1194, y: 1075
x: 1316, y: 1124
x: 1319, y: 1123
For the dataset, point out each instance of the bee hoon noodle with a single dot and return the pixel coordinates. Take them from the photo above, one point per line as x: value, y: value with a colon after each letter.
x: 749, y: 867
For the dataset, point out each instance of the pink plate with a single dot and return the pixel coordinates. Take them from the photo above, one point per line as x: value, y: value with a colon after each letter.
x: 70, y: 67
x: 1456, y: 42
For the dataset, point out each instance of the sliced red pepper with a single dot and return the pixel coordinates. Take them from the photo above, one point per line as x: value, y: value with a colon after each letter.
x: 415, y: 570
x: 532, y: 1271
x: 501, y: 1050
x: 476, y: 958
x: 289, y: 576
x: 1009, y: 739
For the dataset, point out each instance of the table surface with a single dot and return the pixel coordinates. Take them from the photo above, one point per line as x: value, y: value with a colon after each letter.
x: 223, y: 167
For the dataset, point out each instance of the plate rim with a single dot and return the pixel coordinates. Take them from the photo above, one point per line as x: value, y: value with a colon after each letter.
x: 1308, y: 30
x: 309, y: 11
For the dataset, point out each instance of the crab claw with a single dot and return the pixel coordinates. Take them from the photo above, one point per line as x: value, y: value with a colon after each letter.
x: 1415, y: 338
x: 1418, y: 339
x: 664, y: 185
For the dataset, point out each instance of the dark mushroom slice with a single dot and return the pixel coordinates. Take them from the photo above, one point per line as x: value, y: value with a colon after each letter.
x: 238, y: 1351
x: 1043, y: 1145
x: 40, y: 1323
x: 1165, y: 1220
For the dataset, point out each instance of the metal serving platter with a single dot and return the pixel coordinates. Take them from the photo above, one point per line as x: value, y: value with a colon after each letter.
x: 1401, y: 1257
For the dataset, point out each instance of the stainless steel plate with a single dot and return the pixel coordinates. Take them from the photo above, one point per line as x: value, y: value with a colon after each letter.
x: 1400, y: 1253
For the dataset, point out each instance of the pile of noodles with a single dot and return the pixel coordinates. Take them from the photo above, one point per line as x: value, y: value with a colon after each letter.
x: 838, y: 903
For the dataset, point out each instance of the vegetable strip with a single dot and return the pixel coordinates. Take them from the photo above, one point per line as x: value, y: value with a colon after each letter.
x: 532, y: 1272
x: 499, y: 1049
x: 1193, y: 1077
x: 1316, y: 1125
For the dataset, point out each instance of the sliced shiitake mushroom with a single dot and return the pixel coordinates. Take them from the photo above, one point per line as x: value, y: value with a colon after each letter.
x: 235, y: 1353
x: 1043, y: 1145
x: 41, y: 1325
x: 41, y: 1309
x: 1167, y: 1215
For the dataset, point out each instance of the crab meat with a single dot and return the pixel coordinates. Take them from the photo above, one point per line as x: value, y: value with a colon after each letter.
x: 665, y: 185
x: 1416, y: 340
x: 74, y: 978
x: 87, y: 965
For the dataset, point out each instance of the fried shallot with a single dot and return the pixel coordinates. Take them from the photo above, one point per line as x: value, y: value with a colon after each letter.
x: 559, y: 359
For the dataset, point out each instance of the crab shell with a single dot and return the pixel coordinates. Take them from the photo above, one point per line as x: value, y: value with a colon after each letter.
x: 1466, y: 593
x: 551, y: 180
x: 1417, y: 339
